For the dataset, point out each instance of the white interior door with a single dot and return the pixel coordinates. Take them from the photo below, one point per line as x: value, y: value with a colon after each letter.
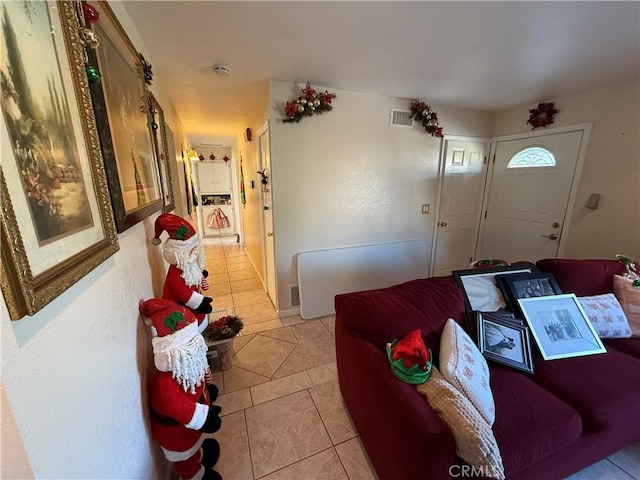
x: 460, y: 204
x: 529, y: 195
x: 267, y: 215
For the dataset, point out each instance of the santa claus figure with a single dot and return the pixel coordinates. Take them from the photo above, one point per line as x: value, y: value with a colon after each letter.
x: 180, y: 406
x: 186, y: 276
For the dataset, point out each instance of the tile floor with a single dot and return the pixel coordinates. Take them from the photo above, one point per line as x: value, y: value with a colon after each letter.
x: 283, y: 416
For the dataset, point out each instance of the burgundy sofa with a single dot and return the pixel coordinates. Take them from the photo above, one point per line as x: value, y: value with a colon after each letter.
x: 571, y: 413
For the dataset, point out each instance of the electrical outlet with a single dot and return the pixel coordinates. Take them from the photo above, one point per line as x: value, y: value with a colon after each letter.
x: 425, y: 208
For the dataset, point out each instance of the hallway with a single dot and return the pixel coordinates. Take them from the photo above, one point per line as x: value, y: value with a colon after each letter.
x: 282, y: 413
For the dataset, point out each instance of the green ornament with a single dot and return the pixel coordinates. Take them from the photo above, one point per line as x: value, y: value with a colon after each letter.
x: 154, y: 125
x: 93, y: 75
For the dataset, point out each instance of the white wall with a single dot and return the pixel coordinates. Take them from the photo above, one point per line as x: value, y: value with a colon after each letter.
x: 345, y: 177
x: 251, y: 213
x: 75, y: 374
x: 611, y: 167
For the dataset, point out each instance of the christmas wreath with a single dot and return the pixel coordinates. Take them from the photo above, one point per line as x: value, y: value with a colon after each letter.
x: 223, y: 328
x: 307, y: 104
x: 542, y: 115
x: 422, y: 111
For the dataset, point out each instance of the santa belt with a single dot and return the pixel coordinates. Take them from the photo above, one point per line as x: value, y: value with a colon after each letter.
x: 168, y: 421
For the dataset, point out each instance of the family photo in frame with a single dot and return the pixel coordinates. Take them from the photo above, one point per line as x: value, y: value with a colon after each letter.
x: 560, y: 326
x: 504, y: 339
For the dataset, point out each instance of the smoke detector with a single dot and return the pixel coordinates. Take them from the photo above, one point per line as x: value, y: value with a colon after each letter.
x: 221, y: 70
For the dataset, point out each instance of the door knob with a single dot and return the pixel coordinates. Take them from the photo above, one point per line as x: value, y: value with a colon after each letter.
x: 269, y: 234
x: 553, y: 236
x: 444, y: 224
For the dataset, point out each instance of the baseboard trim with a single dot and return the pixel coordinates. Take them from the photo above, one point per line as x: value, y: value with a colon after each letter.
x: 289, y: 312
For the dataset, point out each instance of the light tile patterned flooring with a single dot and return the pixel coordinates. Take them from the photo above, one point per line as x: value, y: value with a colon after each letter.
x: 283, y: 416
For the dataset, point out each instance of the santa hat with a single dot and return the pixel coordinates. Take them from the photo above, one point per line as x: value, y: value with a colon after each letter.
x: 410, y: 359
x: 176, y: 227
x: 178, y: 341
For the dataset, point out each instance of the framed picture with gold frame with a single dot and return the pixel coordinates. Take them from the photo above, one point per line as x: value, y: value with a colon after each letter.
x: 57, y: 224
x: 161, y: 144
x: 124, y: 123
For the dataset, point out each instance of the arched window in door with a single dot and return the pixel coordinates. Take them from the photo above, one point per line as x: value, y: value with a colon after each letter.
x: 532, y: 157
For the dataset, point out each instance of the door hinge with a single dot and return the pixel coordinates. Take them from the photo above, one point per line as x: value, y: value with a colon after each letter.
x: 470, y: 259
x: 485, y: 160
x: 485, y: 213
x: 494, y: 158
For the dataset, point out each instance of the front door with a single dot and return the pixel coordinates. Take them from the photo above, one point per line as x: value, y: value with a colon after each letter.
x: 531, y: 187
x: 264, y: 152
x: 460, y: 204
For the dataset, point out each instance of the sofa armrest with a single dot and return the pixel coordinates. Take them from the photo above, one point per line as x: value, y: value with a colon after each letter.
x: 403, y: 435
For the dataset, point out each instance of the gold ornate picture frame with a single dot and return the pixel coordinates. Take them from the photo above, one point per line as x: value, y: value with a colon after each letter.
x: 161, y: 144
x: 57, y: 224
x: 124, y: 123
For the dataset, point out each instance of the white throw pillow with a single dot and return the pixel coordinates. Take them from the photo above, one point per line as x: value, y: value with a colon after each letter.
x: 462, y: 364
x: 606, y: 315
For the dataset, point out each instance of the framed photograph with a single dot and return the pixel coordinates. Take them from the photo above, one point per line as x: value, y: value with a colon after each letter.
x: 161, y: 144
x: 526, y: 285
x: 124, y: 123
x: 560, y: 326
x: 503, y: 339
x: 57, y: 223
x: 479, y: 287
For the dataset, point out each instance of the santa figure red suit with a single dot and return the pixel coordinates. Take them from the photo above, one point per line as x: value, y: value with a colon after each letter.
x: 186, y: 276
x: 180, y: 406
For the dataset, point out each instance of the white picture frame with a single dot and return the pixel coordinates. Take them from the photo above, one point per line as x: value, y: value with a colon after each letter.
x: 560, y: 326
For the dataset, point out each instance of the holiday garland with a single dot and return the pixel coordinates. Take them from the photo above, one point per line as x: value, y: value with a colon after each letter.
x: 307, y: 104
x: 422, y: 111
x: 542, y: 115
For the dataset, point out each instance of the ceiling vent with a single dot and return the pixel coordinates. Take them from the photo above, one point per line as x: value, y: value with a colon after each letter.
x: 401, y: 118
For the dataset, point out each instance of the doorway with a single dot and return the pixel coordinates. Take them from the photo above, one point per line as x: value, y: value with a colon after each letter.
x: 264, y: 165
x: 515, y: 206
x: 530, y: 193
x: 464, y: 167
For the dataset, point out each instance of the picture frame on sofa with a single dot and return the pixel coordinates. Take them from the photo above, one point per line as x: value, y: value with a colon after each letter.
x: 504, y: 339
x: 526, y: 285
x: 479, y: 288
x: 560, y: 326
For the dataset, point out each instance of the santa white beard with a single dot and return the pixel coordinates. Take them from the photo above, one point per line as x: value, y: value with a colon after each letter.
x: 184, y: 354
x: 188, y: 363
x: 189, y: 261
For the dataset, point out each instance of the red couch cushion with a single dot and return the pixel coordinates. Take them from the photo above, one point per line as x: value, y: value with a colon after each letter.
x: 385, y: 314
x: 582, y: 277
x: 630, y: 346
x: 604, y: 389
x: 531, y: 423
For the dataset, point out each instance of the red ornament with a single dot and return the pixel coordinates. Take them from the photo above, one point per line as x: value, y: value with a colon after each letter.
x: 201, y: 157
x: 542, y: 115
x: 225, y: 158
x: 212, y: 156
x: 91, y: 15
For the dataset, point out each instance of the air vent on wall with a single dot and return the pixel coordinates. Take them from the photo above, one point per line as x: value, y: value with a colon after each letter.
x: 401, y: 118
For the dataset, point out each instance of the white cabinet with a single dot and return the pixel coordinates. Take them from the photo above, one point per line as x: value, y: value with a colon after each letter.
x: 216, y: 215
x: 214, y: 177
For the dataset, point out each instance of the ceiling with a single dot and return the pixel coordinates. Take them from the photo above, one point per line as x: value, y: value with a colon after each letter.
x: 479, y: 55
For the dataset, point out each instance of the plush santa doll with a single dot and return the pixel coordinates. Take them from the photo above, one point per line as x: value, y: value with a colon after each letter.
x: 180, y: 407
x: 186, y: 275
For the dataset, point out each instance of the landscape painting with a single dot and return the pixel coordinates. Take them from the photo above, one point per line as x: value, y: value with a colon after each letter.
x: 38, y: 119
